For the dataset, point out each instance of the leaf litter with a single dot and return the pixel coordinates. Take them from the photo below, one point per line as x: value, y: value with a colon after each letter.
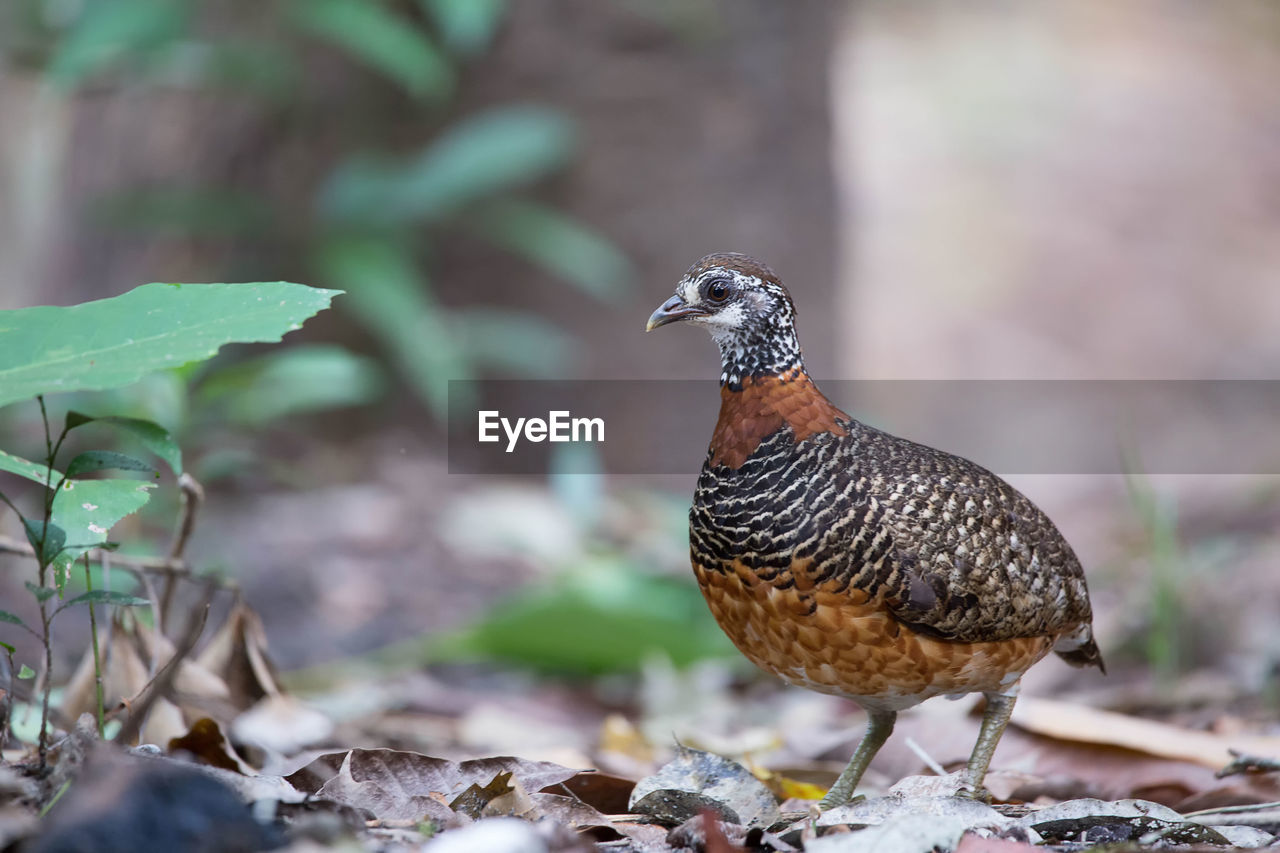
x: 226, y: 717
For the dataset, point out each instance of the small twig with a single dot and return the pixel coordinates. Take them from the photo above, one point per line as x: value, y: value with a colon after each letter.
x: 1256, y: 814
x: 192, y: 497
x: 1244, y: 763
x: 163, y: 680
x: 149, y: 588
x: 925, y: 757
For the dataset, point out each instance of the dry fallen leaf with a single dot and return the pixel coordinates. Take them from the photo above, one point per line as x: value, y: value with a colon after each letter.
x: 619, y: 736
x: 971, y: 813
x: 238, y: 654
x: 477, y: 797
x: 602, y: 791
x: 193, y: 684
x: 904, y: 833
x: 397, y: 785
x: 282, y: 724
x: 1100, y: 822
x: 383, y: 793
x: 977, y: 844
x: 704, y: 832
x: 1081, y: 723
x: 126, y: 673
x: 784, y: 787
x: 695, y: 780
x: 569, y: 811
x: 206, y: 742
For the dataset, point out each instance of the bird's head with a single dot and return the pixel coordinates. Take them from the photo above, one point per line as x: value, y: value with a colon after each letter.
x: 748, y: 312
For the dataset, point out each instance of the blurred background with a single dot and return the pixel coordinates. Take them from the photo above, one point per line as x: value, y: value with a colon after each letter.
x: 1075, y: 189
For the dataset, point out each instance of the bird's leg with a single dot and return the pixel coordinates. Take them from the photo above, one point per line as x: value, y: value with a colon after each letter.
x: 994, y: 719
x: 879, y: 727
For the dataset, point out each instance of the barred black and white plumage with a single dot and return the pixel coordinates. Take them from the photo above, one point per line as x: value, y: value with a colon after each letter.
x: 953, y: 549
x: 854, y: 562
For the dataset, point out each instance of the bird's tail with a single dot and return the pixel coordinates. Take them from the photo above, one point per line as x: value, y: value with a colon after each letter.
x: 1079, y: 649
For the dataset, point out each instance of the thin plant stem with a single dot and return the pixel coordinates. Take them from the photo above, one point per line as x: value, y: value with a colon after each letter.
x: 48, y: 456
x: 6, y: 704
x: 53, y: 801
x: 42, y: 558
x: 97, y: 656
x: 46, y: 620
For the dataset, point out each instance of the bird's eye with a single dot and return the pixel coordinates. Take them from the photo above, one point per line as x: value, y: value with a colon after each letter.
x: 718, y: 290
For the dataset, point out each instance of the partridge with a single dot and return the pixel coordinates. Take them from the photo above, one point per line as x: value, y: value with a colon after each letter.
x: 853, y: 562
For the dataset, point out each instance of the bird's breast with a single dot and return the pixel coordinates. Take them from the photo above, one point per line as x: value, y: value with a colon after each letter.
x: 791, y: 502
x: 764, y: 406
x: 845, y: 642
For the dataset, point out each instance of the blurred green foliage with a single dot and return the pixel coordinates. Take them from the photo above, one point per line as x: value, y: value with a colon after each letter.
x: 293, y: 381
x: 377, y: 209
x: 378, y: 206
x: 1172, y: 633
x: 603, y: 615
x: 380, y: 37
x: 1166, y: 643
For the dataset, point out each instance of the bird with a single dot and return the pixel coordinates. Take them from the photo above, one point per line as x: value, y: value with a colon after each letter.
x: 853, y: 562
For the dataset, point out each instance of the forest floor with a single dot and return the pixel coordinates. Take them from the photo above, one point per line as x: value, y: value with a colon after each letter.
x: 558, y: 741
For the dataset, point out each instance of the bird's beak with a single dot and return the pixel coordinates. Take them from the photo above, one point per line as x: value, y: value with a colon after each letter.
x: 670, y: 311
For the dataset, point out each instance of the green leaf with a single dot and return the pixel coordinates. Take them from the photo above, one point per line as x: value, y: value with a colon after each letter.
x: 33, y: 471
x: 47, y: 541
x: 6, y: 616
x: 105, y: 460
x: 377, y: 36
x: 8, y: 647
x: 25, y: 672
x: 113, y: 342
x: 154, y: 437
x: 88, y: 509
x: 467, y: 26
x: 42, y: 593
x: 390, y: 296
x: 110, y: 30
x: 557, y: 243
x: 108, y: 596
x: 474, y: 158
x: 512, y: 342
x: 293, y: 381
x: 605, y: 616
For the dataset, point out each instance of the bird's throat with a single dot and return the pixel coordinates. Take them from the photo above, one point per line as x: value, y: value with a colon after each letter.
x: 758, y: 351
x: 762, y: 405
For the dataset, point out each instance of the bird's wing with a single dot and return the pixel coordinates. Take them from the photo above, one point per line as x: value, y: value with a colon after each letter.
x: 967, y: 557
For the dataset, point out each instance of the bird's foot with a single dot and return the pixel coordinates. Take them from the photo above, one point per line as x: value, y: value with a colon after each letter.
x: 979, y: 793
x: 829, y: 802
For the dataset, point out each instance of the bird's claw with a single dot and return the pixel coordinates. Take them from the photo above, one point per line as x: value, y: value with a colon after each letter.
x: 828, y: 803
x: 979, y: 793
